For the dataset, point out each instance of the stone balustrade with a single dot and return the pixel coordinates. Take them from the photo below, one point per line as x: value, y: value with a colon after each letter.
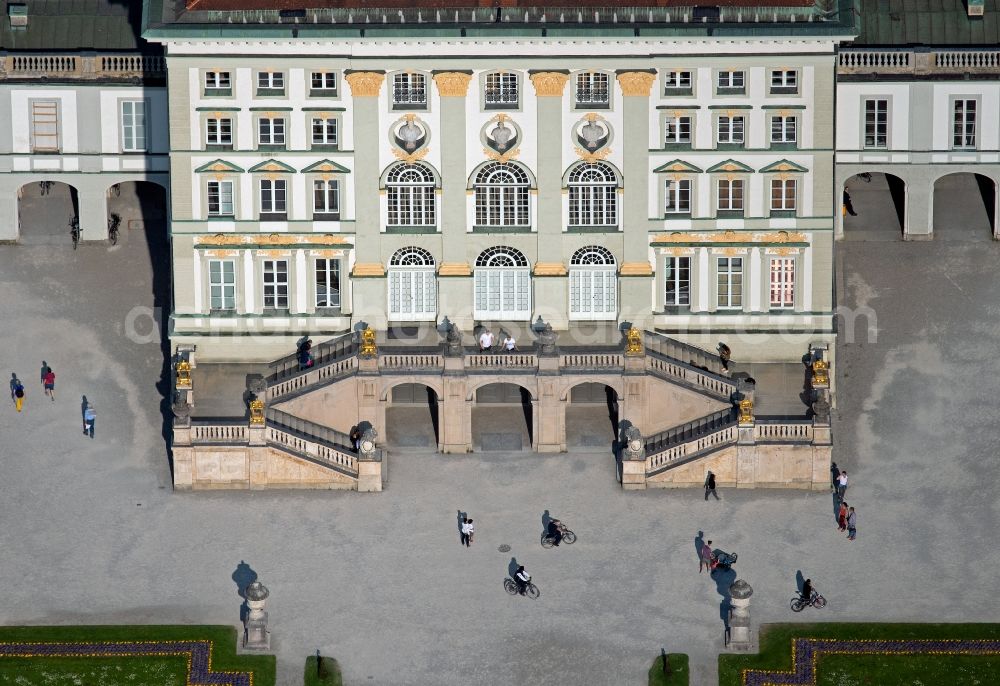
x: 877, y: 61
x: 723, y: 436
x: 83, y: 66
x: 334, y: 456
x: 783, y: 431
x: 217, y: 432
x: 498, y: 361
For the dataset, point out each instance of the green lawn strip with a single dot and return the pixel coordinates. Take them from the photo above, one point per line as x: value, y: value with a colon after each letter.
x: 885, y: 670
x: 73, y: 671
x: 678, y: 671
x: 224, y: 657
x: 328, y: 675
x: 776, y: 650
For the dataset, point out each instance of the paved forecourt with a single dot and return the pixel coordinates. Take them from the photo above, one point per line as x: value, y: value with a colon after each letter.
x: 93, y: 533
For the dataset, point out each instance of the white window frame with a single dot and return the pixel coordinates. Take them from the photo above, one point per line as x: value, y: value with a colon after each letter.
x: 782, y: 282
x: 412, y: 288
x: 730, y: 130
x: 964, y: 112
x: 411, y: 201
x: 218, y: 80
x: 785, y: 79
x: 327, y: 79
x: 273, y: 196
x: 677, y: 281
x: 592, y: 85
x: 784, y: 201
x: 730, y: 272
x: 677, y: 196
x: 502, y: 196
x: 270, y: 81
x: 271, y: 131
x: 326, y: 196
x: 727, y: 79
x: 133, y: 126
x: 593, y: 201
x: 222, y: 285
x: 409, y: 89
x: 501, y: 90
x: 275, y: 290
x: 787, y: 128
x: 727, y: 198
x: 221, y: 136
x: 327, y: 296
x: 45, y: 125
x: 328, y: 130
x: 593, y: 285
x: 223, y: 190
x: 502, y: 285
x: 876, y: 124
x: 677, y: 129
x: 676, y: 80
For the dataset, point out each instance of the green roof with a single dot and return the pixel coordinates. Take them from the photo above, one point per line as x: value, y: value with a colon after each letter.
x: 926, y: 22
x: 55, y: 25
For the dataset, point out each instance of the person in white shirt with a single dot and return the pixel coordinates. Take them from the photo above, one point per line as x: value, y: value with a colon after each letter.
x: 466, y: 531
x: 485, y: 341
x: 509, y: 343
x: 521, y: 577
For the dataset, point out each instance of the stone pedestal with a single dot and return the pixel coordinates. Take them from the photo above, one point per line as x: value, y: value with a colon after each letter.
x: 739, y: 618
x: 634, y: 475
x: 256, y: 637
x: 369, y: 475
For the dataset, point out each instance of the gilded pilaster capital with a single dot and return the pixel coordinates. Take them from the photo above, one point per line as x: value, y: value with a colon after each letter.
x: 452, y: 84
x: 549, y: 83
x: 365, y: 84
x: 636, y: 83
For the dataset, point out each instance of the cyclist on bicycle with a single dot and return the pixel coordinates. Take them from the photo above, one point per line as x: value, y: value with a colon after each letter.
x: 521, y: 578
x: 555, y: 531
x: 807, y: 591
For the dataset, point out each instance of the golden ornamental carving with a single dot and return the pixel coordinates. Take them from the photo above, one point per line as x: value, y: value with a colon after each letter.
x: 821, y: 374
x: 501, y: 157
x: 729, y: 236
x: 274, y: 253
x: 591, y: 157
x: 636, y: 83
x: 220, y: 167
x: 746, y: 411
x: 272, y: 167
x: 549, y: 84
x: 410, y: 157
x: 256, y: 412
x: 781, y: 237
x: 677, y: 252
x: 633, y: 342
x: 729, y: 252
x: 453, y: 84
x: 783, y: 252
x: 183, y: 374
x: 368, y: 347
x: 365, y: 84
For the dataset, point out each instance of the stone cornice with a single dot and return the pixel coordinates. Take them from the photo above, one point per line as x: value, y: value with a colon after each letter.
x: 363, y: 269
x: 453, y: 84
x: 454, y: 269
x: 549, y: 269
x: 549, y: 84
x: 365, y: 84
x: 636, y: 83
x: 636, y: 269
x: 269, y: 239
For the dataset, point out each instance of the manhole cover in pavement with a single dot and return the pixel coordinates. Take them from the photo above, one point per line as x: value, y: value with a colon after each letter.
x: 504, y: 548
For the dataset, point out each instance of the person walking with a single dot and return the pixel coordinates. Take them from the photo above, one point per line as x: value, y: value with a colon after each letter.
x: 486, y: 341
x: 472, y: 533
x: 834, y: 475
x: 852, y: 525
x: 842, y: 516
x: 465, y: 532
x: 89, y: 418
x: 49, y: 383
x: 44, y: 370
x: 848, y: 205
x: 842, y: 484
x: 706, y: 557
x: 710, y: 485
x: 510, y: 343
x: 18, y: 394
x: 725, y: 354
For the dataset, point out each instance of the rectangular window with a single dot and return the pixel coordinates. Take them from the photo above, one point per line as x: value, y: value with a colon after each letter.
x: 324, y: 132
x: 270, y: 131
x: 218, y: 83
x: 270, y: 83
x: 272, y: 197
x: 730, y: 130
x: 276, y: 284
x: 731, y: 81
x: 220, y: 198
x: 677, y: 83
x: 45, y: 126
x: 501, y: 90
x: 782, y: 282
x: 409, y: 90
x: 678, y: 282
x: 323, y: 83
x: 730, y: 283
x: 677, y: 130
x: 326, y: 199
x: 876, y: 123
x: 222, y: 284
x: 133, y: 125
x: 964, y: 134
x: 730, y: 195
x: 783, y: 129
x: 678, y: 196
x: 784, y: 81
x: 219, y: 132
x: 782, y: 195
x: 592, y: 89
x: 327, y: 283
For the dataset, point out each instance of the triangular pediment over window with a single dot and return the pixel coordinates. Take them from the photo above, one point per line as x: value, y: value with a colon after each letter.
x: 273, y: 167
x: 326, y: 167
x: 731, y: 167
x: 783, y: 166
x: 219, y: 167
x: 677, y: 167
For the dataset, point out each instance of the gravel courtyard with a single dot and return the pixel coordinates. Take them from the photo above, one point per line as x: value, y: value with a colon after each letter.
x: 92, y: 532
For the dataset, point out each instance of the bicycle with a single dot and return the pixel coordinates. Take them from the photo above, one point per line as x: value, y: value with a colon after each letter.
x: 816, y: 600
x: 74, y: 231
x: 44, y: 187
x: 530, y: 589
x: 567, y: 537
x: 114, y: 221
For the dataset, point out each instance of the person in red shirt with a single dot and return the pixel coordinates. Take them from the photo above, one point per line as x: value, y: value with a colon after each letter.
x: 50, y: 384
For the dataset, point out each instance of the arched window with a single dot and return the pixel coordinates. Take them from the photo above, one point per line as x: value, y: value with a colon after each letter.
x: 410, y: 192
x: 593, y: 284
x: 503, y: 285
x: 501, y: 195
x: 593, y: 195
x: 412, y: 285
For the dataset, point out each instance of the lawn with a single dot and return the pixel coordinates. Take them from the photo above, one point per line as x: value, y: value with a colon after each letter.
x: 873, y: 669
x: 133, y: 670
x: 678, y: 671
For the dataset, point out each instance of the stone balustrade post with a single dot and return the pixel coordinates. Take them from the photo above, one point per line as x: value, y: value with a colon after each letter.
x: 632, y: 453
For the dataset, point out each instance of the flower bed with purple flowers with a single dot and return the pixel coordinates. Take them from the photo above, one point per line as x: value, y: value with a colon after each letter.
x: 135, y: 655
x: 883, y: 654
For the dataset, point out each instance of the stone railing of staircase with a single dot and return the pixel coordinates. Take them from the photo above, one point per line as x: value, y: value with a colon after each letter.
x: 311, y: 440
x: 691, y: 439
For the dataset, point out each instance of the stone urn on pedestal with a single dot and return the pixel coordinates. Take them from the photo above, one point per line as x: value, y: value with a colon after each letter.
x: 255, y: 634
x: 739, y: 619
